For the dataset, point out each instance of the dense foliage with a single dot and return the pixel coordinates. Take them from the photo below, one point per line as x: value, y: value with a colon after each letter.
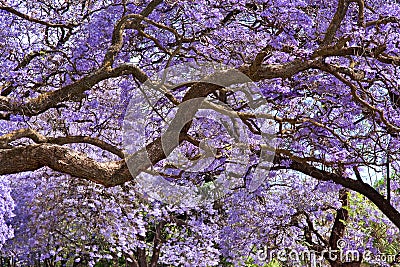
x: 328, y: 74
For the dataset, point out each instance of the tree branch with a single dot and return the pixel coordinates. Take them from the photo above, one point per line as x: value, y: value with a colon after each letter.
x: 355, y: 185
x: 117, y: 37
x: 337, y: 19
x: 69, y: 92
x: 58, y: 158
x: 35, y: 20
x: 6, y: 139
x: 157, y: 242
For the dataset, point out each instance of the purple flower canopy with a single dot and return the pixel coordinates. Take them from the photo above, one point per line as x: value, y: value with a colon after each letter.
x: 199, y: 133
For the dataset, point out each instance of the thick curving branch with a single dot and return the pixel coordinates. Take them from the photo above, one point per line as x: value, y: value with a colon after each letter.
x: 58, y: 158
x: 75, y: 90
x: 19, y: 14
x: 337, y: 19
x: 71, y: 92
x: 117, y: 37
x: 355, y: 185
x: 38, y: 138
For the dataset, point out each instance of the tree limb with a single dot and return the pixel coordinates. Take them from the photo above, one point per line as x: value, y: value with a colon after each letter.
x: 355, y: 185
x: 11, y: 10
x: 69, y: 92
x: 6, y: 139
x: 58, y: 158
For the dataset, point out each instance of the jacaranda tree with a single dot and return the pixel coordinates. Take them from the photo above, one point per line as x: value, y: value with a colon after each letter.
x: 87, y: 133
